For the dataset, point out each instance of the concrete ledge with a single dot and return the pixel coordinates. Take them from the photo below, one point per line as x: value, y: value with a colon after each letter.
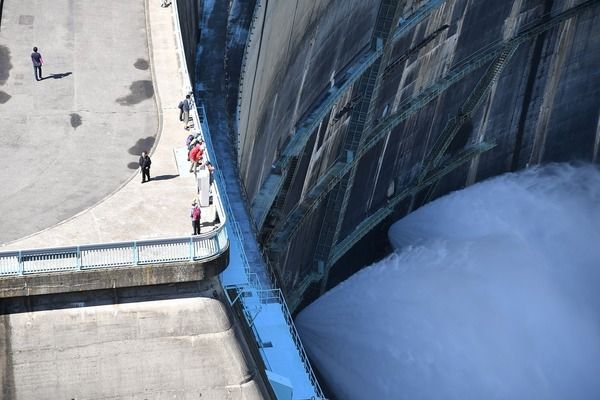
x: 184, y: 348
x: 109, y: 278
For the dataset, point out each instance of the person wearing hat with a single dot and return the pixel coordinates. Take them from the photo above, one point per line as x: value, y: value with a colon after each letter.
x: 195, y: 215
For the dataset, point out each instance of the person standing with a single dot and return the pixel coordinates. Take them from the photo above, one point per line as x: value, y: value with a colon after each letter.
x: 195, y: 215
x: 195, y: 157
x: 180, y: 106
x: 185, y: 108
x: 211, y: 171
x: 36, y: 59
x: 145, y: 163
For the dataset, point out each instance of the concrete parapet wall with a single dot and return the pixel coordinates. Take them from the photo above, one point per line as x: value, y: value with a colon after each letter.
x: 118, y: 277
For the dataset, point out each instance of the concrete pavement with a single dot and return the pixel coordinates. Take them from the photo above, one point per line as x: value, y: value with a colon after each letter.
x: 159, y: 208
x: 68, y: 141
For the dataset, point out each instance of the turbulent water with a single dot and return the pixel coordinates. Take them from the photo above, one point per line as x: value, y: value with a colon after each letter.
x: 493, y: 293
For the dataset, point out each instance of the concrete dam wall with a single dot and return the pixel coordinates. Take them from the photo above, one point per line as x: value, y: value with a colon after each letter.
x: 352, y: 113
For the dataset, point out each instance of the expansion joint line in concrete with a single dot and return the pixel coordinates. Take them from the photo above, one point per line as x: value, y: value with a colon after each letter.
x: 157, y: 100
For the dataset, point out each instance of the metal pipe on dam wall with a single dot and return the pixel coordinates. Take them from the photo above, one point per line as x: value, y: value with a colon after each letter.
x: 354, y: 112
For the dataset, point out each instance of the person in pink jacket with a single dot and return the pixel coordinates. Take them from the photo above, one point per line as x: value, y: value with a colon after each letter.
x: 195, y: 215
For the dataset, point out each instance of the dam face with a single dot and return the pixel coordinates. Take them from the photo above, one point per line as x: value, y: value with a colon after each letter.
x: 353, y: 113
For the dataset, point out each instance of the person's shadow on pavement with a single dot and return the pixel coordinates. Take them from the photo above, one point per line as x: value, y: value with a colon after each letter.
x: 57, y: 76
x: 164, y: 177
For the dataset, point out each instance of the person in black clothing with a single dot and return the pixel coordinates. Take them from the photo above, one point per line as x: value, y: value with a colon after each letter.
x: 145, y: 166
x: 36, y: 59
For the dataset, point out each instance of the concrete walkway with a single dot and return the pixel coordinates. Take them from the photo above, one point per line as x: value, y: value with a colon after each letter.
x: 68, y: 141
x: 161, y: 207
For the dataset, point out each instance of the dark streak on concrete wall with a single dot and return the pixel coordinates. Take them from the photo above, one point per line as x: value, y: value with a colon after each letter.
x: 189, y: 12
x: 303, y: 44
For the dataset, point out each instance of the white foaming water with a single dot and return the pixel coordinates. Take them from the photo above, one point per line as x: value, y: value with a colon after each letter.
x: 493, y: 293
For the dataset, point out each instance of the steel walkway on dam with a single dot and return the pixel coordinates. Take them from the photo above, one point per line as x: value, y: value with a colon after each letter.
x: 247, y: 281
x: 263, y: 307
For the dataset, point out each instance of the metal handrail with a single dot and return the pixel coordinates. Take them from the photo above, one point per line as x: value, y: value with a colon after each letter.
x: 255, y: 284
x: 276, y: 294
x: 221, y: 182
x: 205, y: 246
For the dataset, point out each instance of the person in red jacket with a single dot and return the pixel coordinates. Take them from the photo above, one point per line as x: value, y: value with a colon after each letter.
x: 195, y: 156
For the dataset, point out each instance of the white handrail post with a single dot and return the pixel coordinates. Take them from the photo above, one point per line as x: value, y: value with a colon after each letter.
x: 21, y: 267
x: 135, y: 253
x: 191, y: 248
x: 78, y: 260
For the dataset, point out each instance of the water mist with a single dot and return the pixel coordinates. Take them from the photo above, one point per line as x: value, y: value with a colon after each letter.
x: 493, y: 293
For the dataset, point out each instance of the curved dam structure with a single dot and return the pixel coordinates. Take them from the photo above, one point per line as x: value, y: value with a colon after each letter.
x: 354, y: 113
x: 324, y: 122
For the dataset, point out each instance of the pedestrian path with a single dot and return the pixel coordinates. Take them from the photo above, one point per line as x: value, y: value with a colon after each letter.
x: 70, y: 140
x: 156, y: 209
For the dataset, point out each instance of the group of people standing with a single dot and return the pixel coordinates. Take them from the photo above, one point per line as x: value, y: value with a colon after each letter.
x: 195, y: 143
x: 196, y: 156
